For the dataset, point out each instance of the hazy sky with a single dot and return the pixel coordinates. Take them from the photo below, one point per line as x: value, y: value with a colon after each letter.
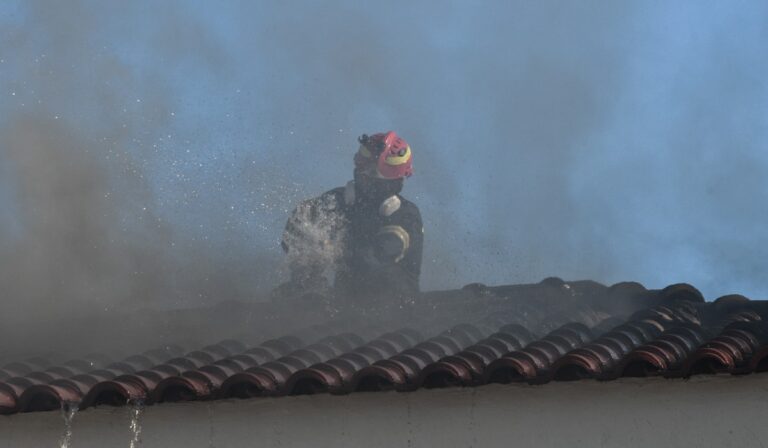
x: 156, y: 148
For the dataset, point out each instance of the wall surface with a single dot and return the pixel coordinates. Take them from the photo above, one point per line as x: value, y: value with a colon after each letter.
x: 722, y: 411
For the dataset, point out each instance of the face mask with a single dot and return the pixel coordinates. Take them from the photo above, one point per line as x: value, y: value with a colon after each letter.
x: 374, y: 188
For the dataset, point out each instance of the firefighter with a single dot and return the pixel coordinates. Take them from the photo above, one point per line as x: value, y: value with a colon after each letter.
x: 366, y: 233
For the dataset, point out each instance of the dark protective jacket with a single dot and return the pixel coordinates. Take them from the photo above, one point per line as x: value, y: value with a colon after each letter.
x: 374, y: 247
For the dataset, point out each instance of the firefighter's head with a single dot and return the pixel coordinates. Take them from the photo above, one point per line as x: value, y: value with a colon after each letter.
x: 382, y: 162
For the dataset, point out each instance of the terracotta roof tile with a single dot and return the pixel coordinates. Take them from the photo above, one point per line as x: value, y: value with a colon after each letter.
x: 552, y: 331
x: 664, y: 354
x: 730, y: 351
x: 532, y: 363
x: 334, y: 374
x: 204, y: 381
x: 269, y: 378
x: 47, y: 389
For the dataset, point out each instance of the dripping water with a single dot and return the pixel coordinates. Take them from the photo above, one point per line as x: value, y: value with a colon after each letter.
x: 68, y: 411
x: 136, y: 409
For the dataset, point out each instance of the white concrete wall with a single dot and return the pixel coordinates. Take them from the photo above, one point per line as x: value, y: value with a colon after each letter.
x: 703, y: 412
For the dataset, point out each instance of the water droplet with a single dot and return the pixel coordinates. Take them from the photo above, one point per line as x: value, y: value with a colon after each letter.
x: 68, y: 411
x: 136, y: 410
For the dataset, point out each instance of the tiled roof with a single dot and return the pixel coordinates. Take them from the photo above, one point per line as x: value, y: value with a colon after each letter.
x: 551, y: 331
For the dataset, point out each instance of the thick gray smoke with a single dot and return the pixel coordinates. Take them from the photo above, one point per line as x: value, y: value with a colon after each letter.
x: 86, y: 151
x: 496, y: 98
x: 149, y: 155
x: 594, y: 140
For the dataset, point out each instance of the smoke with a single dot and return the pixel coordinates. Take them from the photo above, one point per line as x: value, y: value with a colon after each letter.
x: 71, y: 251
x: 150, y: 154
x: 592, y: 140
x: 99, y: 214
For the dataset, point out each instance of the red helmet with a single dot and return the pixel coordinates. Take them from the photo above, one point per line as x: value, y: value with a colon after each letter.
x: 389, y: 154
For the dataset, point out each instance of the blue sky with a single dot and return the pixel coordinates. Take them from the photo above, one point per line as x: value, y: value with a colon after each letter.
x: 603, y: 140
